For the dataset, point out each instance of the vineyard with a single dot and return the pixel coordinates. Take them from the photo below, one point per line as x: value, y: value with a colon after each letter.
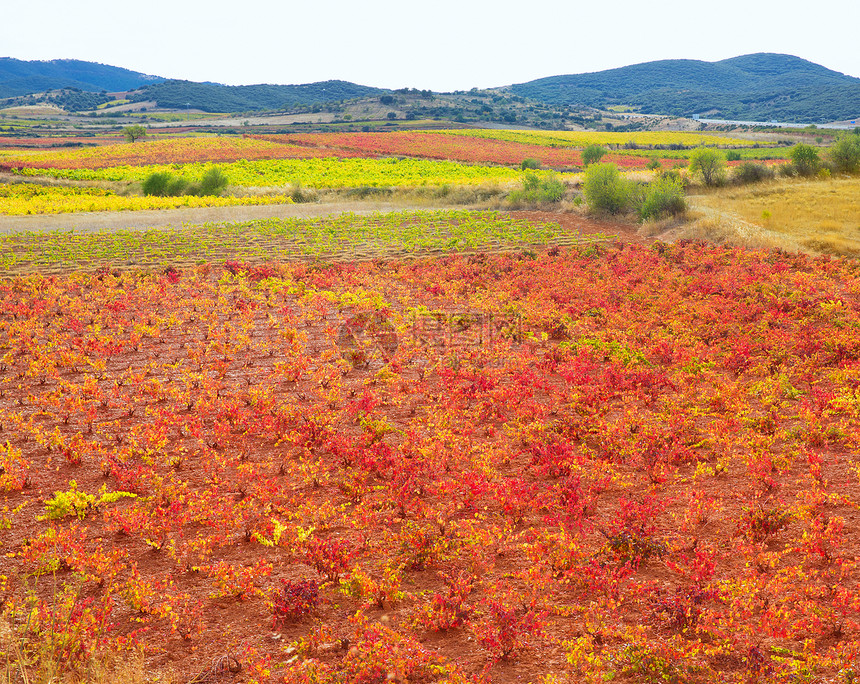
x: 323, y: 172
x: 346, y: 236
x: 23, y: 199
x: 593, y: 461
x: 269, y: 168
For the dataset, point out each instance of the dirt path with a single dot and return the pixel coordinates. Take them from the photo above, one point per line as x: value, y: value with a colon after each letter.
x: 98, y: 221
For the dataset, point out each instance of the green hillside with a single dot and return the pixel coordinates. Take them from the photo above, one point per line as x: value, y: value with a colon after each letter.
x: 20, y: 77
x: 211, y: 97
x: 759, y: 87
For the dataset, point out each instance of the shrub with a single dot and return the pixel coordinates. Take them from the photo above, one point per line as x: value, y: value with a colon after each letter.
x: 213, y: 183
x: 592, y: 154
x: 750, y: 172
x: 663, y: 197
x: 179, y: 186
x: 804, y: 159
x: 295, y: 600
x: 709, y: 164
x: 654, y: 164
x: 605, y: 189
x: 156, y: 183
x: 530, y: 163
x: 538, y: 189
x: 733, y: 155
x: 845, y: 154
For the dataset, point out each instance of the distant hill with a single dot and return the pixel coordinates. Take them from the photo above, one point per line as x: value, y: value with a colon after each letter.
x: 211, y: 97
x: 757, y: 87
x: 19, y: 77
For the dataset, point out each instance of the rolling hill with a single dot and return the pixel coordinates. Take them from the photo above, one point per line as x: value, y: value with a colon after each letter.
x: 212, y: 97
x: 759, y: 87
x: 20, y: 77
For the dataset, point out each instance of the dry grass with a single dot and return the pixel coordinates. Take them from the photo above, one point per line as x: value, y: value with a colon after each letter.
x: 821, y: 216
x: 109, y: 670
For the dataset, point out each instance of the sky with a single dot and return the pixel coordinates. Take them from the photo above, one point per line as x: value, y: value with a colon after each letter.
x: 443, y: 45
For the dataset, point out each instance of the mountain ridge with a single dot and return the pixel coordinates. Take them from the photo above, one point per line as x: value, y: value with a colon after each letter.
x: 758, y: 86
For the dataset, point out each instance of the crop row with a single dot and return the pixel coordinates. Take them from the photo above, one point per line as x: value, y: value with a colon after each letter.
x: 24, y: 198
x: 345, y: 236
x: 324, y: 172
x: 435, y: 145
x: 164, y: 151
x: 558, y: 150
x: 600, y: 463
x: 585, y: 138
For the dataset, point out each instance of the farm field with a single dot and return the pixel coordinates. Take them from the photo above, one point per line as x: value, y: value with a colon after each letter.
x: 323, y: 172
x: 165, y: 151
x: 820, y: 216
x: 30, y: 198
x: 448, y: 145
x: 346, y: 236
x: 262, y: 169
x: 584, y: 138
x: 592, y: 461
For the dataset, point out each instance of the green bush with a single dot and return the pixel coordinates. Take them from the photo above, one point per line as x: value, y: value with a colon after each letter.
x: 530, y: 163
x: 165, y: 184
x: 156, y: 184
x: 805, y: 160
x: 605, y: 189
x: 750, y: 172
x: 179, y: 186
x: 845, y: 154
x: 538, y: 189
x: 213, y: 182
x: 654, y: 164
x: 733, y: 155
x: 592, y: 154
x: 709, y: 164
x: 662, y: 197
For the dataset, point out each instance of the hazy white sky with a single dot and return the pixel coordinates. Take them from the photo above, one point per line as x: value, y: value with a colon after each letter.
x: 441, y: 45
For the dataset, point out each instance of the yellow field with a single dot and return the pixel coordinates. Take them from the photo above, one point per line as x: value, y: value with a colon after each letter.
x: 584, y: 138
x: 22, y: 199
x: 820, y: 216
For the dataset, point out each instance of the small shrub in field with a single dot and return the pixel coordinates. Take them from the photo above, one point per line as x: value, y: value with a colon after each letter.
x: 156, y: 184
x: 592, y: 154
x: 538, y: 189
x: 663, y: 197
x: 180, y: 186
x: 733, y: 155
x: 213, y: 183
x: 654, y: 164
x: 709, y: 164
x: 530, y: 163
x: 605, y: 189
x: 295, y: 600
x: 845, y: 154
x: 750, y: 172
x: 508, y: 629
x: 805, y: 160
x: 164, y: 184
